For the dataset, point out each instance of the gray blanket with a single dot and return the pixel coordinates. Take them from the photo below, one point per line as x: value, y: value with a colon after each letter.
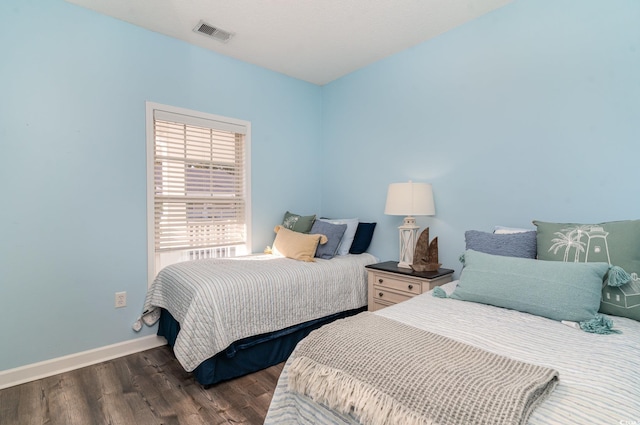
x: 385, y: 372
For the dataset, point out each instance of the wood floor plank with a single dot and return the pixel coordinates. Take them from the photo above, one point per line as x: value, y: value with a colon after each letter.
x: 7, y: 413
x: 88, y: 380
x: 65, y: 401
x: 142, y: 412
x: 149, y: 388
x: 25, y: 403
x: 114, y: 407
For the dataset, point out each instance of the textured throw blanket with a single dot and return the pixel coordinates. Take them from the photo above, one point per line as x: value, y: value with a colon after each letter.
x: 385, y: 372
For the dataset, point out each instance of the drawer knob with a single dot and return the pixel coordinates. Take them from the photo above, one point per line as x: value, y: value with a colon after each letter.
x: 380, y: 280
x: 380, y: 294
x: 410, y: 286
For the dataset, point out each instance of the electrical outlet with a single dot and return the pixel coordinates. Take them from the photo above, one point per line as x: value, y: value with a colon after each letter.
x: 121, y: 299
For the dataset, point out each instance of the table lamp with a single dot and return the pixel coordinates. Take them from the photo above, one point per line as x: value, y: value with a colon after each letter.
x: 409, y: 199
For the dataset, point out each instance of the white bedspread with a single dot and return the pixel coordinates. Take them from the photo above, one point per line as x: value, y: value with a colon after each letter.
x: 219, y: 301
x: 599, y: 374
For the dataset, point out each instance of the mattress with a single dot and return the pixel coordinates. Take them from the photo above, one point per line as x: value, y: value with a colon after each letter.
x: 599, y: 375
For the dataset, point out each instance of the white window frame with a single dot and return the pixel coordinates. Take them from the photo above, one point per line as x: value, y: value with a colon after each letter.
x: 197, y: 118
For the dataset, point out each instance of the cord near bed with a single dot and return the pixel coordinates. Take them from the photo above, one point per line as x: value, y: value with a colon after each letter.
x: 149, y: 317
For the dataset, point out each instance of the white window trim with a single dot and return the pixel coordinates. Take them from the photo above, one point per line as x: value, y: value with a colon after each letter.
x: 231, y: 123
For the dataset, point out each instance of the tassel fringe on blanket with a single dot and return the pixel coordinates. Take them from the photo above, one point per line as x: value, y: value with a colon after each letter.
x: 344, y: 393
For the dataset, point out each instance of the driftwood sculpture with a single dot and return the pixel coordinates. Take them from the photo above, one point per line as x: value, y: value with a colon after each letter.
x: 425, y: 257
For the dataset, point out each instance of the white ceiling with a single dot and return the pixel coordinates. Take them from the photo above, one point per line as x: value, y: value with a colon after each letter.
x: 316, y: 41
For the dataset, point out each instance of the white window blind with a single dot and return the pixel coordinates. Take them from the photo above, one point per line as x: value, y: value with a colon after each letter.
x: 199, y: 182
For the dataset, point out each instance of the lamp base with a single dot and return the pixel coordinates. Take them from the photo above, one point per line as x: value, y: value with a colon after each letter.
x: 404, y: 265
x: 408, y: 232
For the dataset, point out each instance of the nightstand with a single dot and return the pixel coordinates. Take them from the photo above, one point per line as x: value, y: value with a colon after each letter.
x: 390, y: 284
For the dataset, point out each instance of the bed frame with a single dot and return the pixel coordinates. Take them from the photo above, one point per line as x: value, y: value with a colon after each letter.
x: 250, y: 354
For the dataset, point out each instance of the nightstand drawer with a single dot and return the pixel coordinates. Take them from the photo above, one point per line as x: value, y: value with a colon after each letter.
x: 383, y: 294
x: 397, y: 284
x: 378, y: 305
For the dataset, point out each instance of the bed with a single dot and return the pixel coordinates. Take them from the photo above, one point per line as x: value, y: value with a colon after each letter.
x: 228, y: 317
x: 542, y: 315
x: 599, y: 374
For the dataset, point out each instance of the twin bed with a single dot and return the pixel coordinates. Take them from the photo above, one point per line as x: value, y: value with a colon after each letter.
x: 542, y: 327
x: 228, y: 317
x: 599, y: 375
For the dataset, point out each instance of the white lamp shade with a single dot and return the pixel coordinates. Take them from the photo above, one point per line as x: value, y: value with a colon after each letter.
x: 410, y: 199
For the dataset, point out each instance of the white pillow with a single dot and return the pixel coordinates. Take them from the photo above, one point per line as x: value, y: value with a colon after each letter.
x: 502, y: 230
x: 347, y: 238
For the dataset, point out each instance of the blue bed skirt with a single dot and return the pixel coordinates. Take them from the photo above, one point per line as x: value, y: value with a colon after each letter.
x: 251, y: 354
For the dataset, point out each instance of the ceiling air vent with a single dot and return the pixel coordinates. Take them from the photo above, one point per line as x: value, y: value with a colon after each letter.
x: 213, y: 32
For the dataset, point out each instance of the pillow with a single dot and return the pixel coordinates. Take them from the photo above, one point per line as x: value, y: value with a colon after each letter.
x: 510, y: 245
x: 614, y: 242
x: 552, y: 289
x: 502, y: 230
x: 296, y: 245
x: 347, y: 238
x: 298, y: 223
x: 362, y: 238
x: 333, y: 232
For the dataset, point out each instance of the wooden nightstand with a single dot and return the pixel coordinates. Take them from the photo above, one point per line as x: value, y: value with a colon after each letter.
x: 389, y: 284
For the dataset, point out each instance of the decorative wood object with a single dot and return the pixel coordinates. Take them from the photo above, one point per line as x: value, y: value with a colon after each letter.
x: 425, y: 258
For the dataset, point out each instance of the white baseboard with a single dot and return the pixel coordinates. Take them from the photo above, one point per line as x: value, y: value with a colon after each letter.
x: 34, y: 371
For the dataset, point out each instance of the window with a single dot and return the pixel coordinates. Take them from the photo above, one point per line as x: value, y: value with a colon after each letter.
x: 198, y: 186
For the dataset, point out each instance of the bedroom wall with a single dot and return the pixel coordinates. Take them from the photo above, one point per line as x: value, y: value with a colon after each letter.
x: 529, y: 112
x: 73, y: 86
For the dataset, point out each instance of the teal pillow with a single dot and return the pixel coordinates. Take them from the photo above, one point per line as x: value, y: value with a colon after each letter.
x: 614, y: 242
x: 298, y: 223
x: 556, y: 290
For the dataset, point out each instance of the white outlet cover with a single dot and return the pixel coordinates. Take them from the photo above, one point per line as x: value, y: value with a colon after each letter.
x: 121, y: 299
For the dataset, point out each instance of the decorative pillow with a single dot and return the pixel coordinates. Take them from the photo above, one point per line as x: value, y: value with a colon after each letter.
x: 502, y: 230
x: 333, y: 232
x: 298, y: 223
x: 296, y: 245
x: 558, y: 291
x: 510, y: 245
x: 362, y: 238
x: 614, y: 242
x: 347, y: 238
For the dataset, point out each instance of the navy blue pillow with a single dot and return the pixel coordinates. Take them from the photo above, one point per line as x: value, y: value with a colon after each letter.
x: 362, y: 238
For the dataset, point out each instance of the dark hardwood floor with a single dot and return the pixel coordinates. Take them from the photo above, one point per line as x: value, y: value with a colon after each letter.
x: 143, y: 388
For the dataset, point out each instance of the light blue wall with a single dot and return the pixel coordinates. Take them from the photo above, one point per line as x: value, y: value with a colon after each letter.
x: 73, y: 86
x: 530, y: 112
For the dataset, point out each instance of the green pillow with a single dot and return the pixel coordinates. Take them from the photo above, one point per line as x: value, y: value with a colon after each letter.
x: 615, y: 242
x: 298, y: 223
x: 558, y: 291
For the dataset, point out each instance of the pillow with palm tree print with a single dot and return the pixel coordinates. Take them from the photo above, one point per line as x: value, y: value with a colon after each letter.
x: 614, y: 242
